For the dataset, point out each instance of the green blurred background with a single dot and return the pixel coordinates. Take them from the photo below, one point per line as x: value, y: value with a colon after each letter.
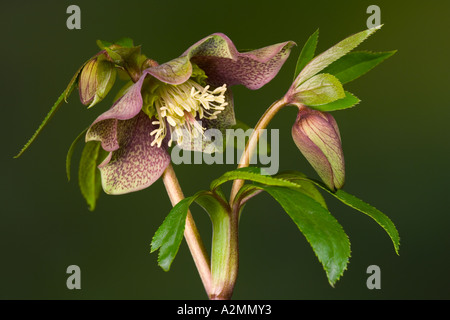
x: 396, y: 144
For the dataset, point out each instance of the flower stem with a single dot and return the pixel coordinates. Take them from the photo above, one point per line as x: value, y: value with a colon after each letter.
x: 225, y: 253
x: 253, y: 141
x: 225, y: 250
x: 191, y: 233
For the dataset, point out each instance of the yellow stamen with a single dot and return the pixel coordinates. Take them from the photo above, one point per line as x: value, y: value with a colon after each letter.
x: 178, y: 107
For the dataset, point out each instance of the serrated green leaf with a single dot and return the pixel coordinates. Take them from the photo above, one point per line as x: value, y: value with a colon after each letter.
x: 307, y: 187
x: 323, y: 232
x: 63, y: 97
x: 307, y: 53
x: 89, y: 178
x: 360, y: 205
x: 169, y: 235
x: 349, y: 101
x: 320, y: 89
x: 248, y: 191
x: 251, y: 174
x: 334, y: 53
x: 355, y: 64
x: 372, y: 212
x: 70, y: 153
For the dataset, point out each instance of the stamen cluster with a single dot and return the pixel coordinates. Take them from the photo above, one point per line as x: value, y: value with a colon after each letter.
x: 179, y: 107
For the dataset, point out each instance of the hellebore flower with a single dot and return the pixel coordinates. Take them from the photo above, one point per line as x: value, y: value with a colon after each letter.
x: 96, y: 79
x: 317, y: 136
x: 167, y: 103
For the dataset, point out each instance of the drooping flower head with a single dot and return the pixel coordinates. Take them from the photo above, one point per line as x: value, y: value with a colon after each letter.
x: 176, y: 102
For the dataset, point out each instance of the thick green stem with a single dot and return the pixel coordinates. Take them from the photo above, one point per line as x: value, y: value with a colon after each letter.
x: 225, y: 248
x: 225, y: 254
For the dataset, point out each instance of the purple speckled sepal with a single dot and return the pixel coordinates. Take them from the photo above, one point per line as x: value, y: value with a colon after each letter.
x: 223, y: 64
x: 106, y: 132
x: 136, y: 164
x: 252, y: 69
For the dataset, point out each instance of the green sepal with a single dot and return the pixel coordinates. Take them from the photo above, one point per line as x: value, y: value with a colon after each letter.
x: 89, y: 178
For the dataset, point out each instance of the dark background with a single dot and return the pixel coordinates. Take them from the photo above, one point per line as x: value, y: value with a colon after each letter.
x: 396, y: 144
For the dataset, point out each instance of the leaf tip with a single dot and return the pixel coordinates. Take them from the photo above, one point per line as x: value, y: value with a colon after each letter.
x: 22, y: 151
x: 378, y: 27
x: 397, y: 247
x: 165, y: 266
x: 154, y: 245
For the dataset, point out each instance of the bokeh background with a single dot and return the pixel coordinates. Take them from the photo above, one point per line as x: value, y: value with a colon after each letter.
x: 396, y: 144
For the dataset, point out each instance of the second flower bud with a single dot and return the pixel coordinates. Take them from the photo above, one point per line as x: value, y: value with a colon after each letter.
x: 317, y: 136
x: 96, y: 80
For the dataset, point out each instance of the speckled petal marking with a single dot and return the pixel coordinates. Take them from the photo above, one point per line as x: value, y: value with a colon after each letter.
x: 217, y: 45
x: 136, y: 165
x: 252, y: 69
x: 106, y: 132
x: 223, y: 64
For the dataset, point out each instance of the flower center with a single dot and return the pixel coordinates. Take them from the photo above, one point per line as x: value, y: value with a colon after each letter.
x: 178, y: 108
